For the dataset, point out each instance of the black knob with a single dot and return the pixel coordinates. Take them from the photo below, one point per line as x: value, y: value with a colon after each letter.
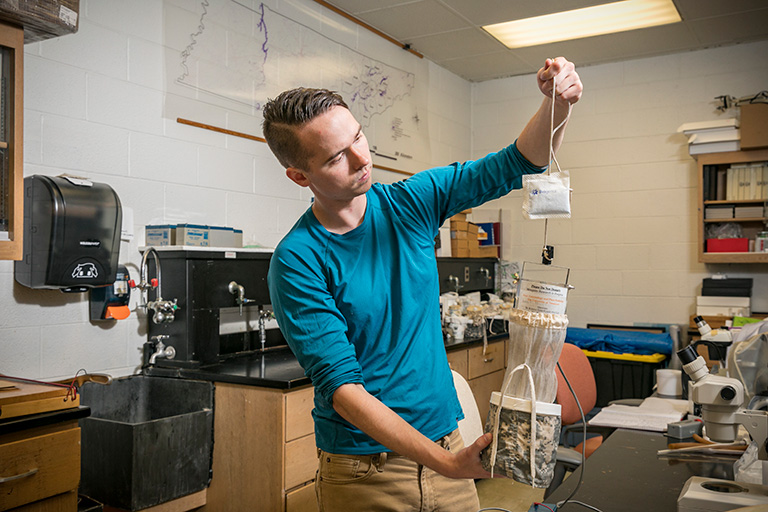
x: 727, y: 393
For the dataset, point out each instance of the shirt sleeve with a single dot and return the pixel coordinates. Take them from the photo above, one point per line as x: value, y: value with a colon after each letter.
x: 436, y: 194
x: 310, y: 321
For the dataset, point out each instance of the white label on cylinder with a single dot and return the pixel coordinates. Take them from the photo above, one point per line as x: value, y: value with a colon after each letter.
x: 539, y: 297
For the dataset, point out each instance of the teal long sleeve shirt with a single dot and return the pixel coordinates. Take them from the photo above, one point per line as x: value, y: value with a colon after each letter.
x: 363, y: 307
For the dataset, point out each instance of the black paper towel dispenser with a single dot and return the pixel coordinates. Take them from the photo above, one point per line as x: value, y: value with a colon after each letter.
x: 71, y: 234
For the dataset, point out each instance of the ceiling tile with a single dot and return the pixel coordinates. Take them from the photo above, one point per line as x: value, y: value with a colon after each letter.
x: 420, y: 18
x: 486, y: 67
x: 455, y: 44
x: 736, y: 28
x: 696, y: 9
x: 358, y: 6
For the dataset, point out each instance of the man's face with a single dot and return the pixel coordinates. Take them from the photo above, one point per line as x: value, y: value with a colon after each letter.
x: 338, y: 165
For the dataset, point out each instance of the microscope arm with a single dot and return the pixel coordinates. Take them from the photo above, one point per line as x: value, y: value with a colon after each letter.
x: 756, y: 423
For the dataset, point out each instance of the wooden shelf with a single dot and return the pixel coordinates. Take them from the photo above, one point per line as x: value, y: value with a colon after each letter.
x: 754, y: 219
x: 733, y: 257
x: 12, y: 43
x: 726, y: 159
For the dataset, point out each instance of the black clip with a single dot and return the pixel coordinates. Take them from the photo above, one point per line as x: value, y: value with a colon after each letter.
x: 547, y: 255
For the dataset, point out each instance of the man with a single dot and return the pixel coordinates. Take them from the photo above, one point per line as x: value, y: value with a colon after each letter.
x: 355, y: 289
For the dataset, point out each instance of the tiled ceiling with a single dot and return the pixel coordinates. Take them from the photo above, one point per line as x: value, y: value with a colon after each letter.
x: 449, y: 33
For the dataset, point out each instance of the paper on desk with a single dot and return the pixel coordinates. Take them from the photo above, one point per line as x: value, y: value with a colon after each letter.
x: 653, y: 414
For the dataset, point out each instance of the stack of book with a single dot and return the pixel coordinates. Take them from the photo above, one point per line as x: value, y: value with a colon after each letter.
x: 712, y: 136
x: 747, y: 181
x: 718, y: 212
x: 748, y: 212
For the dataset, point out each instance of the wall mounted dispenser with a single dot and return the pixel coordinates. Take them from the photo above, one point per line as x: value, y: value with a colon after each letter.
x: 71, y: 234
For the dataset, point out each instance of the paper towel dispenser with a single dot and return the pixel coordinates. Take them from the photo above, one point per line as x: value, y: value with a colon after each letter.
x: 71, y: 234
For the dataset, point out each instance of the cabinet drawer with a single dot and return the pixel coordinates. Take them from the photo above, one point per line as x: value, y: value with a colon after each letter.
x: 298, y: 413
x: 300, y: 461
x: 303, y: 499
x: 493, y: 359
x: 50, y: 462
x: 457, y: 359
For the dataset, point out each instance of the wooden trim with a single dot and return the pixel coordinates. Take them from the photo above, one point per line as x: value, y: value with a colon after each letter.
x: 376, y: 166
x: 12, y: 37
x: 344, y: 14
x: 261, y: 139
x: 220, y: 130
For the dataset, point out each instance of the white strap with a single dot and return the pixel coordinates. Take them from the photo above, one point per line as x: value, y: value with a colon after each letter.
x: 494, y: 446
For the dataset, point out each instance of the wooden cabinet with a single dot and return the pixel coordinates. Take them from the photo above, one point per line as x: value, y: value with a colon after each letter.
x: 11, y: 146
x: 40, y: 468
x: 708, y: 167
x: 484, y: 370
x: 264, y: 454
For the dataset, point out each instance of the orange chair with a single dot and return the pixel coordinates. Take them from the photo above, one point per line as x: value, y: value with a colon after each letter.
x: 575, y: 365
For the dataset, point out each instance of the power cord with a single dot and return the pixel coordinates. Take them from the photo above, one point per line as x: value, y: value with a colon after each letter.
x: 583, y: 450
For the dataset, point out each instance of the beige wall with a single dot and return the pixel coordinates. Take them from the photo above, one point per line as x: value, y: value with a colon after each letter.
x: 631, y: 240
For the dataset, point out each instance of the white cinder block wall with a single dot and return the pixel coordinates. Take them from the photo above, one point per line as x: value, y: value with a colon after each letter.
x: 632, y: 240
x: 94, y: 104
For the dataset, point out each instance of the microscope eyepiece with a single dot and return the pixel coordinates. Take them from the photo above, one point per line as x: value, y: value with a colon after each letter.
x: 687, y: 355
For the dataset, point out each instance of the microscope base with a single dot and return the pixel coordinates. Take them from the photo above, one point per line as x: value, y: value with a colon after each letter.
x: 701, y: 494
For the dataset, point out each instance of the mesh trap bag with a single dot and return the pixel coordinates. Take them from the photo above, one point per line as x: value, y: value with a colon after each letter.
x: 547, y: 196
x: 535, y: 339
x: 525, y: 437
x: 524, y: 421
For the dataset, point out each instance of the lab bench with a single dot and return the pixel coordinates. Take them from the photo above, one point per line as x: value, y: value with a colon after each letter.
x: 264, y: 442
x: 40, y: 460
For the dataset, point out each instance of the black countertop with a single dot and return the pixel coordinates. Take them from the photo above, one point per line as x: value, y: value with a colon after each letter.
x: 273, y: 368
x: 626, y: 474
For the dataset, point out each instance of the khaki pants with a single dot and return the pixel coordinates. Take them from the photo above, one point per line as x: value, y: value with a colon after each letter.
x: 391, y: 482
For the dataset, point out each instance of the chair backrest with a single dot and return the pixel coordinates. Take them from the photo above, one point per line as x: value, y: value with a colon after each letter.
x: 579, y: 372
x: 471, y: 427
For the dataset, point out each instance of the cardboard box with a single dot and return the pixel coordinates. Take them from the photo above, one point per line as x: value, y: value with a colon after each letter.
x: 473, y: 229
x: 754, y: 125
x: 460, y: 217
x: 727, y: 244
x: 42, y: 19
x: 458, y: 245
x: 488, y: 251
x: 459, y: 225
x: 459, y: 235
x: 459, y: 253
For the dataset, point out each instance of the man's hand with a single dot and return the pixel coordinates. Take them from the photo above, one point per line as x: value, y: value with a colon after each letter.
x: 466, y: 463
x: 367, y: 413
x: 569, y: 86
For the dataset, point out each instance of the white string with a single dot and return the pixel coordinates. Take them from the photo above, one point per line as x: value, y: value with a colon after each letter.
x: 552, y: 158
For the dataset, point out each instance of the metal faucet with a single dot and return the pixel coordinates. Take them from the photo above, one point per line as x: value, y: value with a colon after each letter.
x: 238, y: 291
x: 161, y: 350
x: 263, y: 317
x: 455, y: 280
x: 164, y: 310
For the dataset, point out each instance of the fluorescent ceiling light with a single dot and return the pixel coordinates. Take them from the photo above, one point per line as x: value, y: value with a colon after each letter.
x: 586, y: 22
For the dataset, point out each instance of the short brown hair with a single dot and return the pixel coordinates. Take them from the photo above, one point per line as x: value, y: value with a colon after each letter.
x: 290, y: 110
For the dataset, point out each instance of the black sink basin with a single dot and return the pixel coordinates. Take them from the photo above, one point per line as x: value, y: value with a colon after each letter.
x: 148, y: 440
